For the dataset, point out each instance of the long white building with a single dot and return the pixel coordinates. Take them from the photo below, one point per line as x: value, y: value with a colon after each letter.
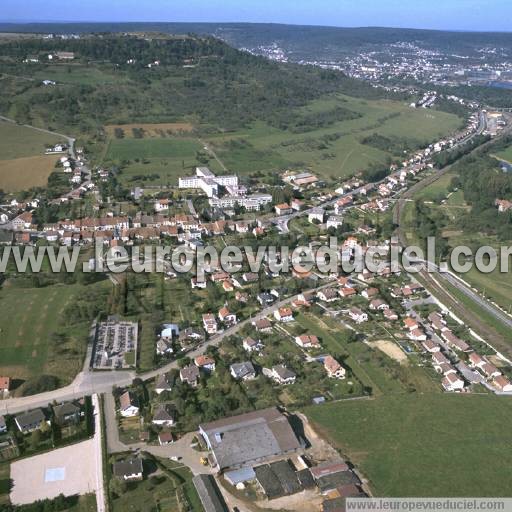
x: 206, y: 181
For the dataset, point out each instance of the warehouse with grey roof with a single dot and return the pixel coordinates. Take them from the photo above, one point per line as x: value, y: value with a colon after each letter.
x: 249, y: 438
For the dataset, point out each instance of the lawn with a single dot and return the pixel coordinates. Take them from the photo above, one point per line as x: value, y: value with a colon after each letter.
x: 336, y: 150
x: 424, y: 445
x: 30, y: 319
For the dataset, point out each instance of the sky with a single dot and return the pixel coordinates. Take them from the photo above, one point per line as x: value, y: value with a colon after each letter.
x: 484, y: 15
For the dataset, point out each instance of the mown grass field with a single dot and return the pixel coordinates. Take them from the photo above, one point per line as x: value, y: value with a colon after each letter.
x: 29, y: 319
x: 273, y: 149
x: 424, y: 444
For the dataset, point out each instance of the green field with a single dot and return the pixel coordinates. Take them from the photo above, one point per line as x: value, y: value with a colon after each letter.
x: 496, y: 285
x: 19, y: 141
x: 334, y: 151
x: 162, y: 161
x: 424, y: 445
x: 506, y: 154
x: 35, y: 340
x: 263, y: 148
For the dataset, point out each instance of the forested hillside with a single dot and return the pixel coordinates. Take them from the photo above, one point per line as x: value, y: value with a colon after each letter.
x: 199, y: 79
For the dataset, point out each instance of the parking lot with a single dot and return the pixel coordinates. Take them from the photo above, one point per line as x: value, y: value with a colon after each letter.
x: 115, y: 341
x: 70, y: 470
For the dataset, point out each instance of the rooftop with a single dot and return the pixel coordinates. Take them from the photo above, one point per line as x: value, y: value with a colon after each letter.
x: 248, y: 437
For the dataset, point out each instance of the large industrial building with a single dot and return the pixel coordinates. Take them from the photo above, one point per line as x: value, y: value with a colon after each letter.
x: 249, y: 438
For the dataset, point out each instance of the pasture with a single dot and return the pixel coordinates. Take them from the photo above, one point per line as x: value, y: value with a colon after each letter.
x: 334, y: 151
x: 23, y: 163
x: 424, y: 444
x: 21, y: 141
x: 35, y: 340
x: 156, y: 161
x: 23, y: 173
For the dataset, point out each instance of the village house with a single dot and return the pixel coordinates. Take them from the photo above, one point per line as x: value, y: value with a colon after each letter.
x: 328, y: 294
x: 455, y: 342
x: 378, y: 305
x: 163, y: 383
x: 431, y: 346
x: 164, y: 416
x: 283, y: 315
x: 128, y: 405
x: 347, y: 292
x: 452, y: 382
x: 5, y: 386
x: 209, y: 323
x: 262, y: 325
x: 128, y: 470
x: 307, y: 341
x: 67, y: 413
x: 251, y: 345
x: 282, y: 375
x: 30, y: 421
x: 226, y: 316
x: 417, y: 335
x: 243, y: 371
x: 165, y: 438
x: 503, y: 205
x: 316, y: 215
x: 502, y: 383
x: 162, y: 205
x: 333, y: 368
x: 411, y: 324
x: 190, y: 375
x: 204, y: 362
x: 357, y: 315
x: 439, y: 359
x: 194, y: 283
x: 334, y: 221
x: 370, y: 293
x: 390, y: 314
x: 283, y: 209
x: 164, y: 347
x: 227, y: 286
x: 490, y: 370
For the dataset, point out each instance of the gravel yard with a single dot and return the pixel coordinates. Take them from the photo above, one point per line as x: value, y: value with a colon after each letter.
x: 70, y: 470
